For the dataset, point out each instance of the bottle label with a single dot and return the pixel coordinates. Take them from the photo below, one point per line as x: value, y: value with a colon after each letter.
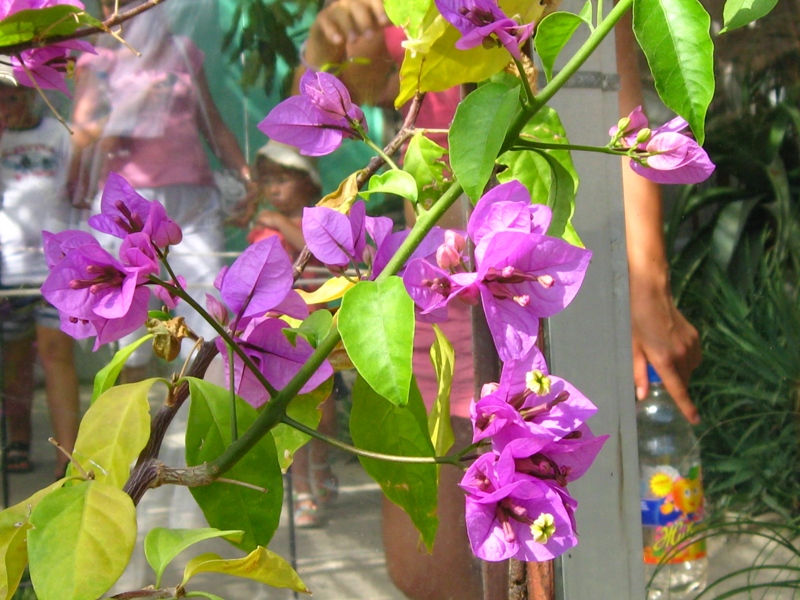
x: 673, y: 506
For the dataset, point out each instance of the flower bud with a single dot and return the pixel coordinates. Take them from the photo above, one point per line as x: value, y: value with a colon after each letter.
x: 447, y: 257
x: 643, y: 135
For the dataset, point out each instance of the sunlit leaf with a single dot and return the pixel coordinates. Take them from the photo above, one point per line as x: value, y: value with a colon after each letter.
x: 26, y: 25
x: 392, y: 182
x: 376, y: 321
x: 408, y: 14
x: 81, y: 540
x: 333, y: 289
x: 675, y: 38
x: 162, y: 545
x: 306, y: 410
x: 343, y: 197
x: 477, y: 134
x: 378, y: 425
x: 422, y: 161
x: 114, y: 431
x: 738, y: 13
x: 439, y: 426
x: 224, y: 504
x: 107, y: 376
x: 260, y: 565
x: 313, y: 329
x: 552, y: 34
x: 14, y: 528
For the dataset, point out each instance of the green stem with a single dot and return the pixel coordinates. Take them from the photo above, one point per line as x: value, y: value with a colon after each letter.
x: 232, y: 386
x: 575, y: 63
x: 380, y: 152
x: 450, y: 460
x: 523, y: 144
x: 526, y: 85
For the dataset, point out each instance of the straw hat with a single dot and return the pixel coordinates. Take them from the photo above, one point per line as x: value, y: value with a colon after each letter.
x: 288, y: 156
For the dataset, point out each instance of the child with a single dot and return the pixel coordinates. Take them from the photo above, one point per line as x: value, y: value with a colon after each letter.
x: 289, y: 182
x: 34, y: 154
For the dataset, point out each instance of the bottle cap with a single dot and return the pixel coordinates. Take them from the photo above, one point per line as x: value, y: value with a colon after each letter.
x: 652, y: 376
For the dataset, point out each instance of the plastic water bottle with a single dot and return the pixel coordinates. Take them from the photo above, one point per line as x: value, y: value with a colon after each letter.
x: 671, y: 492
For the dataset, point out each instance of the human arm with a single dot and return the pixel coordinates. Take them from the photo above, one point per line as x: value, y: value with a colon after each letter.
x: 288, y: 227
x: 89, y: 117
x: 661, y: 334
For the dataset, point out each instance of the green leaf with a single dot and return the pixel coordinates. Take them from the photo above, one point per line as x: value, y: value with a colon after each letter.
x: 114, y: 431
x: 227, y: 505
x: 107, y: 376
x: 675, y: 38
x: 477, y: 133
x: 27, y: 25
x: 207, y: 595
x: 313, y: 329
x: 552, y: 34
x: 738, y: 13
x: 81, y: 541
x: 14, y: 528
x: 422, y: 161
x: 376, y: 321
x: 392, y: 182
x: 408, y: 14
x: 162, y: 545
x: 550, y: 175
x: 378, y: 425
x: 439, y: 426
x: 306, y: 410
x: 260, y: 565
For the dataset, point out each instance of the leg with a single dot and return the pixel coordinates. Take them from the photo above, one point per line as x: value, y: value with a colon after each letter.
x: 451, y: 572
x: 325, y: 483
x: 18, y: 358
x: 61, y: 388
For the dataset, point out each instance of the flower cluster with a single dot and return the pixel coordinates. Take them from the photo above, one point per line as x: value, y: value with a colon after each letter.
x: 95, y: 293
x: 483, y: 22
x: 664, y: 154
x: 517, y: 504
x: 318, y: 119
x: 46, y: 67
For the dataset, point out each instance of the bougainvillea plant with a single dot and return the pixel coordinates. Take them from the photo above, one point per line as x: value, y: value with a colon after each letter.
x: 519, y: 259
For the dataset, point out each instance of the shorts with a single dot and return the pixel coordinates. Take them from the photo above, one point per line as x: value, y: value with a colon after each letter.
x: 19, y: 316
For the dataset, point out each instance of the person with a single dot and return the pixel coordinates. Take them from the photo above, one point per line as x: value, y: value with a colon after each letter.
x: 348, y: 29
x: 289, y: 182
x: 34, y: 154
x: 147, y: 118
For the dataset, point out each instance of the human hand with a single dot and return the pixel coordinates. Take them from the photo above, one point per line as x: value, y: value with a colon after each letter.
x: 270, y: 219
x: 663, y: 337
x: 243, y: 212
x: 347, y: 20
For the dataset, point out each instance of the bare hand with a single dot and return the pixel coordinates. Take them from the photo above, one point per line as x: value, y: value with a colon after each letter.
x: 663, y: 337
x: 347, y: 20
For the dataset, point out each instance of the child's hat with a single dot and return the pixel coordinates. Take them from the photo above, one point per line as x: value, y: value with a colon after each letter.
x: 289, y: 156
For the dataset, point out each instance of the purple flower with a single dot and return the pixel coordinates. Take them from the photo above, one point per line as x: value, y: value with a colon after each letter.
x: 663, y: 155
x: 9, y: 7
x: 259, y: 281
x: 57, y: 245
x: 123, y: 211
x: 318, y: 119
x: 166, y: 297
x: 512, y: 515
x: 433, y: 288
x: 480, y: 20
x: 47, y: 67
x: 217, y: 310
x: 98, y: 294
x: 276, y: 358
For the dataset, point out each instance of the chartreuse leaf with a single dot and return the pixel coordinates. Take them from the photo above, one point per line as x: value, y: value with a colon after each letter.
x: 675, y: 38
x: 738, y: 13
x: 422, y: 161
x: 107, y: 376
x: 333, y: 289
x: 27, y: 25
x: 14, y: 528
x: 392, y: 182
x: 408, y: 14
x: 226, y: 505
x: 162, y: 545
x: 549, y: 175
x: 432, y: 62
x: 477, y: 133
x: 306, y: 410
x: 260, y: 565
x: 114, y: 431
x: 207, y: 595
x: 81, y: 540
x: 439, y: 426
x: 313, y: 329
x: 552, y: 34
x: 378, y: 425
x: 376, y: 321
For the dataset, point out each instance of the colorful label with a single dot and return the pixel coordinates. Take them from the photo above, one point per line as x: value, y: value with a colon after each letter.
x: 673, y: 506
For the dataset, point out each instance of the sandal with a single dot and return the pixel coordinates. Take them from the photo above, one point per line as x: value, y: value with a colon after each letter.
x: 325, y: 483
x: 17, y: 458
x: 306, y: 512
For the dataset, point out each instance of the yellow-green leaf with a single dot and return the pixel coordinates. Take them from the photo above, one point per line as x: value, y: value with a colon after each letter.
x: 306, y: 410
x: 13, y: 548
x: 114, y: 431
x: 162, y: 545
x: 439, y: 427
x: 81, y: 541
x: 260, y: 565
x: 333, y: 289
